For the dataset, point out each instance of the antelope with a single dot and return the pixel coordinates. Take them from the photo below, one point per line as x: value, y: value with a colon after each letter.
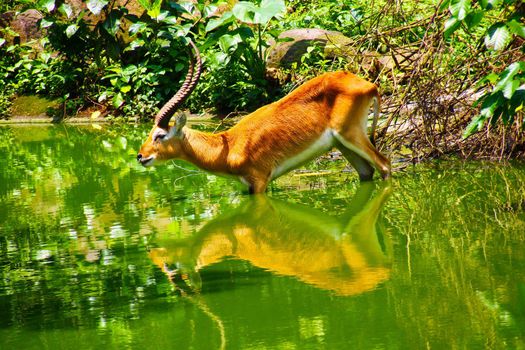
x: 342, y: 255
x: 328, y: 111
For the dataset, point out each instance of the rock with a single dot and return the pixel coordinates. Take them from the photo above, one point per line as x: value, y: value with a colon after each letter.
x: 284, y: 53
x: 6, y: 18
x: 26, y: 24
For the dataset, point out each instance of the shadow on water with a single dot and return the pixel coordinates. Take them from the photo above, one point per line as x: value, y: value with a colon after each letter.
x: 345, y: 255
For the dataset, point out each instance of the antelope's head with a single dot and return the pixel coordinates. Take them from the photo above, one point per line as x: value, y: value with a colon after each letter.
x: 163, y: 141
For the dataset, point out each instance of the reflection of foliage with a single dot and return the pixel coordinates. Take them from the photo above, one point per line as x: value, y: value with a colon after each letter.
x: 463, y: 228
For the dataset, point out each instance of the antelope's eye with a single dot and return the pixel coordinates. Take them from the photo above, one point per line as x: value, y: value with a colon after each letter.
x: 159, y: 136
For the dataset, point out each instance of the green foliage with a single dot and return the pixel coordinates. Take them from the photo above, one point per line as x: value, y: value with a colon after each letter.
x: 235, y: 53
x: 504, y: 102
x: 346, y: 17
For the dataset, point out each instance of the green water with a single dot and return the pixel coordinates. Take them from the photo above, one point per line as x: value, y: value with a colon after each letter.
x: 97, y: 252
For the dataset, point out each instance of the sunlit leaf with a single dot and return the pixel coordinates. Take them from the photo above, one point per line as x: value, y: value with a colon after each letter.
x: 112, y: 23
x: 96, y: 6
x: 214, y: 23
x: 210, y: 10
x: 44, y: 23
x: 187, y: 6
x: 45, y: 56
x: 137, y: 27
x: 270, y: 9
x: 488, y: 110
x: 498, y: 37
x: 229, y: 43
x: 118, y: 100
x: 66, y: 9
x: 516, y: 28
x: 95, y: 115
x: 152, y: 7
x: 250, y: 13
x: 451, y: 25
x: 125, y: 89
x: 71, y: 30
x: 2, y: 41
x: 508, y: 75
x: 96, y: 126
x: 460, y: 9
x: 474, y: 126
x: 510, y: 88
x: 49, y: 5
x: 245, y: 11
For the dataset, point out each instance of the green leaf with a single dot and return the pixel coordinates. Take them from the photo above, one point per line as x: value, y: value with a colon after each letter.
x: 270, y: 9
x: 210, y: 10
x: 112, y: 23
x: 517, y: 101
x: 489, y: 108
x: 214, y: 23
x: 444, y: 5
x: 508, y: 75
x: 474, y: 126
x: 152, y: 7
x: 44, y: 23
x: 49, y: 5
x: 245, y: 11
x: 187, y: 6
x: 510, y: 88
x: 2, y: 41
x: 250, y: 13
x: 498, y: 37
x: 66, y: 10
x: 169, y: 19
x: 135, y: 44
x: 228, y: 43
x: 474, y: 18
x: 45, y: 56
x: 118, y: 100
x: 490, y: 4
x: 451, y: 25
x: 460, y: 9
x: 96, y: 6
x: 137, y: 27
x: 516, y: 28
x: 125, y: 89
x: 71, y: 30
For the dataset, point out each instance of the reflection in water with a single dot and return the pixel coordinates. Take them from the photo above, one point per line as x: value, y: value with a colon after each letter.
x: 344, y: 255
x: 77, y: 215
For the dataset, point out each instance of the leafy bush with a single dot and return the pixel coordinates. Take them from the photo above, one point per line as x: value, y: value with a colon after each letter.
x: 504, y: 102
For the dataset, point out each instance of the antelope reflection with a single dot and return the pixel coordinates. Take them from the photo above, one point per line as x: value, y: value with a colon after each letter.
x: 343, y: 255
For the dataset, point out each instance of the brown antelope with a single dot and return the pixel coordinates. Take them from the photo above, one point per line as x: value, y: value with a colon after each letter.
x: 343, y: 255
x: 327, y: 111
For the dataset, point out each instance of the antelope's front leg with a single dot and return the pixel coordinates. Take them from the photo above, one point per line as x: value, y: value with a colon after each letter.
x: 257, y: 183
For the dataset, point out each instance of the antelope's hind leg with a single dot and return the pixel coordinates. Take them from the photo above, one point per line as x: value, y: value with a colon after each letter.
x: 363, y: 168
x: 363, y: 156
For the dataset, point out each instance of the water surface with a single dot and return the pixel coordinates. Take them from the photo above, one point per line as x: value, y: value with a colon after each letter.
x: 98, y: 252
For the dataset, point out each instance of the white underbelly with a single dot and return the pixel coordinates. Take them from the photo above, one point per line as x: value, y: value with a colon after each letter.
x: 320, y: 146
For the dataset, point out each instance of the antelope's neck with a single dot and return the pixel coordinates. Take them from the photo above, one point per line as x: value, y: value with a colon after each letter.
x: 205, y: 150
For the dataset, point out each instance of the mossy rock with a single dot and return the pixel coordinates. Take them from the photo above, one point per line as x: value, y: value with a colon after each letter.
x: 32, y: 106
x: 293, y: 44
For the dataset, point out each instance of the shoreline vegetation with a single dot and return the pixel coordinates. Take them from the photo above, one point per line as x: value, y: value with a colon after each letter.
x: 451, y: 73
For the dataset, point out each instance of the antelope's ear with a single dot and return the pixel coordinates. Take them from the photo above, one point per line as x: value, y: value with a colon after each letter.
x: 180, y: 121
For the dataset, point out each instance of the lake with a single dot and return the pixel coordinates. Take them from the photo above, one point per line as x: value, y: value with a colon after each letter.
x: 98, y: 252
